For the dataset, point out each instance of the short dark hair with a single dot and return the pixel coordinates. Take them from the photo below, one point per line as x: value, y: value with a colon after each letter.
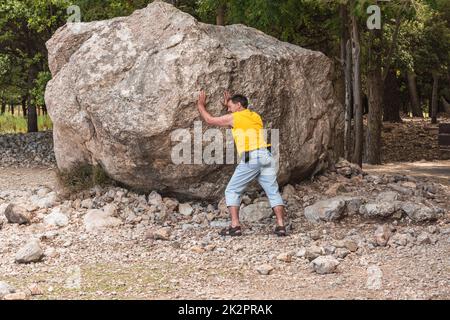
x: 240, y: 98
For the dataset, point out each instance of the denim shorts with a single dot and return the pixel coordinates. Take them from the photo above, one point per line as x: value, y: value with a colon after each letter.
x: 261, y: 166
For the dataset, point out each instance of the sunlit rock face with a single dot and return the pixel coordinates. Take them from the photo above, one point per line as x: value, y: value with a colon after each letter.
x: 121, y: 87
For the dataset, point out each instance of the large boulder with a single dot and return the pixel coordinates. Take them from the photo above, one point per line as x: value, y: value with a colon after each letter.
x: 121, y: 87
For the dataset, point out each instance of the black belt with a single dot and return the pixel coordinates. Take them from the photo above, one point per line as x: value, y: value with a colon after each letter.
x: 247, y: 153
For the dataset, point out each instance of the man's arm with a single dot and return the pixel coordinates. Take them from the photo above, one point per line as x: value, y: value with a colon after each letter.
x: 223, y: 121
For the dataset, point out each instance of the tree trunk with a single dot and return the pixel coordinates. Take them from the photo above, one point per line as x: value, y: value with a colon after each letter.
x: 391, y: 99
x: 220, y: 17
x: 434, y: 97
x: 357, y: 103
x: 24, y: 106
x: 413, y: 95
x: 11, y: 107
x: 31, y: 111
x: 375, y: 99
x: 3, y: 107
x: 374, y: 119
x: 44, y: 109
x: 346, y: 61
x: 32, y: 116
x: 365, y: 104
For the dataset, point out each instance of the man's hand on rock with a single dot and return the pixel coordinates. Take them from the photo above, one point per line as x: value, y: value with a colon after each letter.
x: 226, y: 98
x: 201, y: 99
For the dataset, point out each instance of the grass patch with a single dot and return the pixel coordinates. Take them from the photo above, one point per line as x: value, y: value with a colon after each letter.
x: 18, y: 124
x: 83, y: 176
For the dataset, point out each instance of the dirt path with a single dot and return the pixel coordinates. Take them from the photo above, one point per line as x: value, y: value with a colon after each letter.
x: 438, y: 170
x: 19, y: 178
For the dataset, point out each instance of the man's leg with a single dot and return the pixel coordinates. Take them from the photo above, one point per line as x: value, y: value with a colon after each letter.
x: 234, y: 213
x: 268, y: 181
x: 280, y: 214
x: 242, y: 176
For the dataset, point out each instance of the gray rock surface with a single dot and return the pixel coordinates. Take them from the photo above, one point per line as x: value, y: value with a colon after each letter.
x: 256, y: 212
x: 31, y: 252
x: 325, y: 210
x: 325, y: 264
x: 16, y: 214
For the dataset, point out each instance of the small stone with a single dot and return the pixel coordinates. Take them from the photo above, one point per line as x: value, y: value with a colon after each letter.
x: 48, y: 201
x: 403, y: 190
x: 87, y: 203
x: 56, y: 218
x: 154, y: 198
x: 96, y: 219
x: 246, y: 199
x: 222, y: 206
x: 285, y: 257
x: 344, y: 171
x: 387, y: 196
x: 35, y: 290
x: 210, y: 247
x: 329, y: 249
x: 382, y: 235
x: 419, y: 212
x: 374, y: 278
x: 15, y: 296
x: 185, y: 209
x: 52, y: 234
x: 219, y: 224
x: 51, y: 253
x: 256, y: 212
x: 335, y: 188
x: 5, y: 289
x: 159, y: 234
x: 313, y: 252
x: 433, y: 229
x: 197, y: 249
x: 170, y: 204
x: 42, y: 192
x: 301, y: 252
x: 401, y: 239
x: 379, y: 209
x: 264, y: 269
x: 351, y: 245
x: 409, y: 184
x: 17, y: 214
x: 423, y: 238
x: 325, y: 210
x: 342, y: 253
x: 31, y: 252
x: 325, y: 264
x: 315, y: 235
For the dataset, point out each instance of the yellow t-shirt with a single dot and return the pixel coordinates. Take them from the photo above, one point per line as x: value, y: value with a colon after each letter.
x: 248, y: 131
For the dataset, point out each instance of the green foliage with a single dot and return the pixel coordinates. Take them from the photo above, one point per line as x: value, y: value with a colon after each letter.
x: 25, y: 26
x: 38, y: 91
x: 423, y: 41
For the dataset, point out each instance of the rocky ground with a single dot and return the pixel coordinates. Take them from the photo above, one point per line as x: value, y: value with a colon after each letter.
x: 353, y: 234
x: 27, y: 150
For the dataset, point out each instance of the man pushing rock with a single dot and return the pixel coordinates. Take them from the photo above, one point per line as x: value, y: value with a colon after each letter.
x: 256, y: 159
